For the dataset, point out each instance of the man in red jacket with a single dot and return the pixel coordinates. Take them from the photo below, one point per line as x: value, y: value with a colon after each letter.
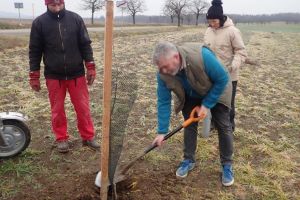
x: 60, y: 37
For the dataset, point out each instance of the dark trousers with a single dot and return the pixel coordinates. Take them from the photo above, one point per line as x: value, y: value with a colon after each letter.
x: 232, y: 112
x: 221, y: 118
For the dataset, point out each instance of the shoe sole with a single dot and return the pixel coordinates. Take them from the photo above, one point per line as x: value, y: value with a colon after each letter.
x: 63, y: 151
x: 177, y: 175
x: 228, y: 184
x: 92, y: 148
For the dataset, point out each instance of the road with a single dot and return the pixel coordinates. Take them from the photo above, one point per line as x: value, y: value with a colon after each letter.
x: 91, y: 29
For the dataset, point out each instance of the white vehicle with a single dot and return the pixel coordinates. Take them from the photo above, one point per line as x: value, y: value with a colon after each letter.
x: 14, y: 134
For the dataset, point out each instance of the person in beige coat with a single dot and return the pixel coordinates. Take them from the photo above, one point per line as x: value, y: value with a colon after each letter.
x: 226, y: 41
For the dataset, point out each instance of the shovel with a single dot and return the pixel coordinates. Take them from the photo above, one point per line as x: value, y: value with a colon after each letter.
x: 121, y: 174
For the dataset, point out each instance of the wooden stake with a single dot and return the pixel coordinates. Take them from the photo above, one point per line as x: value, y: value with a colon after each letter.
x: 108, y: 44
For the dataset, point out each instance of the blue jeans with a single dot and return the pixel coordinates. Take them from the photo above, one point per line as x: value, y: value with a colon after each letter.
x: 221, y: 118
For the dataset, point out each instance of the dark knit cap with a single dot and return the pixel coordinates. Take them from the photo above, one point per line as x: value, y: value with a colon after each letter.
x: 215, y: 11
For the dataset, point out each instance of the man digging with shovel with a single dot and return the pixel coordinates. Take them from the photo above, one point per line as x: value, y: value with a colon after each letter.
x: 195, y: 75
x: 200, y: 82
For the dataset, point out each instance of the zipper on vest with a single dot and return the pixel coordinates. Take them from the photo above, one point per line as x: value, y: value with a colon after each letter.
x: 63, y: 46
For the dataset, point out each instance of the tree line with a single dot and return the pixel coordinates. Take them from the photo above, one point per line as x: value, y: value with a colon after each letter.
x: 174, y: 9
x: 179, y: 12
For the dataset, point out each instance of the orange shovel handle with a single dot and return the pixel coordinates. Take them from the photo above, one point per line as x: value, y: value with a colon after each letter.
x: 192, y: 118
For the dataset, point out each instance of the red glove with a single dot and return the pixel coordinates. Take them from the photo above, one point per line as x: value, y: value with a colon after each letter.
x: 91, y: 72
x: 34, y: 80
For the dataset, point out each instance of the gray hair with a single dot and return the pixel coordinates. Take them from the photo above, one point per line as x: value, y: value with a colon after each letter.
x: 163, y: 50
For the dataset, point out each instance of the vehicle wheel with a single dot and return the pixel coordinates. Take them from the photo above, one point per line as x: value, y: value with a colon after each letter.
x: 17, y: 137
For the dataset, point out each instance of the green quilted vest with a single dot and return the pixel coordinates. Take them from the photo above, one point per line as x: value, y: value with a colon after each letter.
x: 191, y: 55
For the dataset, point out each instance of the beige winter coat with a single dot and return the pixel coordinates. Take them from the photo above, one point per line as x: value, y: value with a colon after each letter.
x: 228, y: 45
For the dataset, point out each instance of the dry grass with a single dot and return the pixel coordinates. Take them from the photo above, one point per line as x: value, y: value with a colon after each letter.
x: 14, y: 23
x: 9, y: 42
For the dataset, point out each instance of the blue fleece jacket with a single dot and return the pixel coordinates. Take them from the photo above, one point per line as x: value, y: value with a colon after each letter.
x: 217, y: 75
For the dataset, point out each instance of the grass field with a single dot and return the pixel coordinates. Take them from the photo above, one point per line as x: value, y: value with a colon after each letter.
x: 14, y: 23
x: 271, y: 27
x: 267, y: 142
x: 11, y: 42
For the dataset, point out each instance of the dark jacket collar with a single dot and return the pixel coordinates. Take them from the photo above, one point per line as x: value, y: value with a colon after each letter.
x: 58, y: 15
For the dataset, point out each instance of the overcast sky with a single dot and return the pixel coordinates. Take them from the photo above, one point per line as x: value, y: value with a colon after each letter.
x: 154, y: 7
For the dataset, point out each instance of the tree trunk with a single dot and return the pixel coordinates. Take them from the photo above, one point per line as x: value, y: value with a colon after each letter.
x: 133, y: 18
x: 93, y: 11
x: 92, y: 17
x: 172, y: 19
x: 178, y: 20
x: 197, y: 18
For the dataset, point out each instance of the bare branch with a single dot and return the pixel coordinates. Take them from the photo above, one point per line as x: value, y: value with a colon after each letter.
x: 93, y: 5
x: 134, y: 7
x: 176, y: 7
x: 198, y: 7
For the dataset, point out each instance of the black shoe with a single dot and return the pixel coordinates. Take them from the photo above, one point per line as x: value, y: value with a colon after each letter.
x: 91, y: 143
x: 63, y: 146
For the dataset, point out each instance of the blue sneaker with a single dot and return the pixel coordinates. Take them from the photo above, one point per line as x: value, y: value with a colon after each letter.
x: 184, y: 167
x: 227, y: 175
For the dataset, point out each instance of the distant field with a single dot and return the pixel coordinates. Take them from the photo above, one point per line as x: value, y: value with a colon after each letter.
x: 10, y: 42
x: 10, y: 39
x: 4, y: 25
x: 270, y: 27
x: 26, y: 23
x: 14, y: 24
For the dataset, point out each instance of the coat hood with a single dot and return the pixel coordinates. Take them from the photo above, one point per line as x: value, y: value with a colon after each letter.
x: 228, y: 23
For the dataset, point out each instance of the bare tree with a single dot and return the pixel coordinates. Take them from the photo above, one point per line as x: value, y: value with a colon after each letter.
x: 167, y: 11
x: 177, y: 6
x: 92, y: 5
x: 134, y: 7
x: 187, y: 15
x: 198, y: 7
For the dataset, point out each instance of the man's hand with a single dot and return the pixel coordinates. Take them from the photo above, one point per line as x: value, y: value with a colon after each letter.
x: 91, y: 72
x: 201, y: 112
x: 158, y: 140
x: 34, y: 80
